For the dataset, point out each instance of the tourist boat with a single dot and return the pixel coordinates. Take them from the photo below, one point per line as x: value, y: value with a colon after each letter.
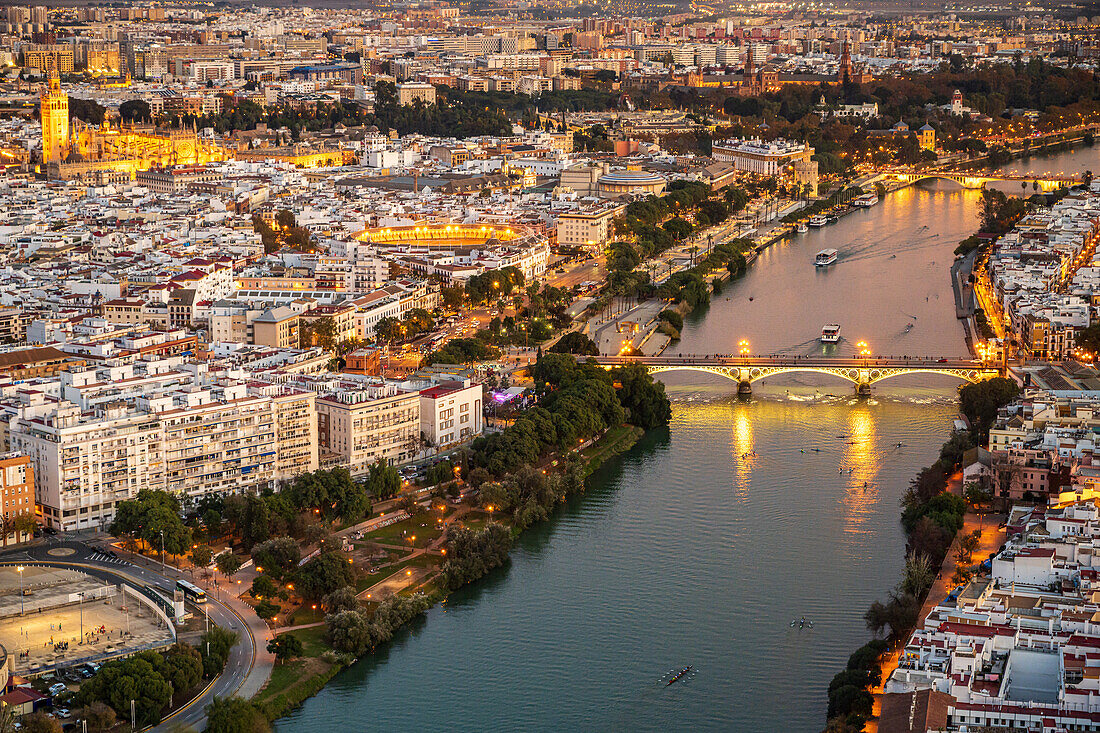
x: 866, y: 200
x: 818, y: 221
x: 826, y: 257
x: 678, y: 675
x: 830, y: 334
x: 802, y: 228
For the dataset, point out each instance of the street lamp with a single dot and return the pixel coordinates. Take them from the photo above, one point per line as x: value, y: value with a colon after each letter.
x: 20, y: 570
x: 743, y: 347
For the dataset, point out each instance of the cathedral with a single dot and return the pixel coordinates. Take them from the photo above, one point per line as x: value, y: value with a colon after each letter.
x: 75, y: 150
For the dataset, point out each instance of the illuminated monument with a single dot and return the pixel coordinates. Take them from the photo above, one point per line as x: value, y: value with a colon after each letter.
x: 79, y: 151
x: 55, y: 121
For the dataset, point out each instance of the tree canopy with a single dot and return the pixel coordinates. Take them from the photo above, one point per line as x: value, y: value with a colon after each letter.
x: 979, y: 403
x: 151, y: 514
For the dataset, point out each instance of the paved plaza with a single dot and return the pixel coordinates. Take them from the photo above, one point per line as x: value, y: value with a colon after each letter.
x: 98, y: 627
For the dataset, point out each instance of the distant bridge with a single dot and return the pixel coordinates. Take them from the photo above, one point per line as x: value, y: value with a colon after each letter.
x: 862, y: 372
x: 978, y: 180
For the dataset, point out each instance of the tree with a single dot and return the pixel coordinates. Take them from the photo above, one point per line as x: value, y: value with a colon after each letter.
x: 214, y: 646
x: 235, y: 715
x: 285, y: 646
x: 154, y: 517
x: 969, y: 543
x: 383, y: 480
x: 285, y: 219
x: 575, y: 342
x: 918, y: 577
x: 452, y: 296
x: 263, y: 587
x: 138, y: 678
x: 387, y: 329
x: 642, y: 396
x: 341, y: 599
x: 99, y: 716
x: 39, y: 722
x: 324, y: 574
x: 349, y: 631
x: 201, y: 556
x: 182, y: 668
x: 979, y: 403
x: 88, y: 110
x: 473, y: 553
x: 1088, y: 340
x: 135, y: 110
x: 227, y: 563
x: 267, y: 610
x: 277, y: 556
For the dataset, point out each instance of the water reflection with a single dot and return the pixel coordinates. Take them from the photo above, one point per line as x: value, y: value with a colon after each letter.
x: 744, y: 449
x: 861, y: 494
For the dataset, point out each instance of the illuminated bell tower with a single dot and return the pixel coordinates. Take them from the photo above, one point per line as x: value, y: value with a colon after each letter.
x: 54, y: 109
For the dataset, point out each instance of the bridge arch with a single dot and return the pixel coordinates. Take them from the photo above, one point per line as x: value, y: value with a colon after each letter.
x: 862, y: 377
x: 977, y: 180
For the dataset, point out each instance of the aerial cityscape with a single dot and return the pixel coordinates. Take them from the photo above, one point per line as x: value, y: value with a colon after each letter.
x: 537, y: 365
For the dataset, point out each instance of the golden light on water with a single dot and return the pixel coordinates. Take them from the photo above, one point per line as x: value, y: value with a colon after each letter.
x: 862, y: 491
x: 743, y: 446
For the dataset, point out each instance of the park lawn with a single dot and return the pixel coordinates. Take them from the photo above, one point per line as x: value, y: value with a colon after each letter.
x: 292, y: 682
x: 304, y: 614
x: 313, y: 641
x: 423, y: 561
x: 423, y: 526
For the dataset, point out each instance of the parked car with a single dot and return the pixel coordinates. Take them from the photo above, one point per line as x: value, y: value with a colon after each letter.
x: 63, y: 713
x: 57, y: 688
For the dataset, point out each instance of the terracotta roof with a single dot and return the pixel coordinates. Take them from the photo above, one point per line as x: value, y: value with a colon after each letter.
x: 914, y: 712
x: 24, y: 357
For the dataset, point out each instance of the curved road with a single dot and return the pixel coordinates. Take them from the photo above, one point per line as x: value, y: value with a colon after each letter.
x: 249, y: 665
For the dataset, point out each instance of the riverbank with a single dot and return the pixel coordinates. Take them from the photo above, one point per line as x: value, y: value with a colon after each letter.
x: 294, y: 682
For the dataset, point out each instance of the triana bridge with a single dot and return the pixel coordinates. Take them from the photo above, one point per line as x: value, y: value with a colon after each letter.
x: 978, y: 180
x: 862, y: 372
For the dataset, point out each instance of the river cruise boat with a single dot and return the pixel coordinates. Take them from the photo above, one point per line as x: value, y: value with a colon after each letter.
x: 826, y: 257
x: 818, y: 221
x: 830, y: 334
x: 866, y: 200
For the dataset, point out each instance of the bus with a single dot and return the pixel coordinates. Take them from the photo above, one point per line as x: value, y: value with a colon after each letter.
x: 193, y: 593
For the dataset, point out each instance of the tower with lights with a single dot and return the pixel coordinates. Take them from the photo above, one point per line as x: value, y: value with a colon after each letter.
x: 54, y: 109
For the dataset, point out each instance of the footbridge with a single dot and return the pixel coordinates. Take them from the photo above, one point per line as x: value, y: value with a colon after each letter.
x: 862, y: 372
x: 978, y: 180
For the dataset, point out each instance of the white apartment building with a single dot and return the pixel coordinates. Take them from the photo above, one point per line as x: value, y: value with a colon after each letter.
x: 451, y: 412
x: 589, y: 226
x: 363, y: 423
x: 188, y: 436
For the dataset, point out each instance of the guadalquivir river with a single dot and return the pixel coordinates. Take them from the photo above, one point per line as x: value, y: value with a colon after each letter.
x: 687, y: 551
